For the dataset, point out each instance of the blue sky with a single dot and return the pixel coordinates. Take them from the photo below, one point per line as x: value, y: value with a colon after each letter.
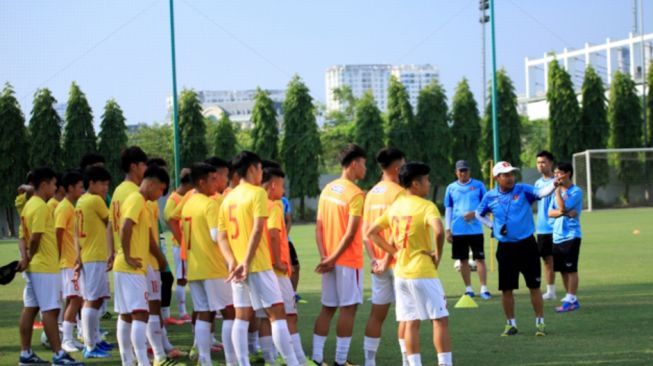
x: 120, y: 49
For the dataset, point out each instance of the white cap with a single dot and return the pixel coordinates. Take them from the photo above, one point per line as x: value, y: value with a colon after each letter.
x: 502, y: 167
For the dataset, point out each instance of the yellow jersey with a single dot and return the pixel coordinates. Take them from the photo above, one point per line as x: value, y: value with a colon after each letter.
x: 37, y: 218
x: 153, y: 208
x: 377, y: 200
x: 64, y: 218
x: 120, y: 194
x: 20, y: 202
x: 52, y: 203
x: 277, y: 221
x: 135, y: 209
x: 91, y: 214
x: 205, y: 260
x: 408, y: 220
x: 171, y: 204
x: 240, y: 208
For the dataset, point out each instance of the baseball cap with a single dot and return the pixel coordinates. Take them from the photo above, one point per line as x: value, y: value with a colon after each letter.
x: 502, y: 167
x: 7, y: 272
x: 462, y: 164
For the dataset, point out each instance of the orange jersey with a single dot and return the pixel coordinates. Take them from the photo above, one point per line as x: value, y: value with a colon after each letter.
x: 176, y: 214
x: 377, y: 201
x: 339, y: 200
x: 276, y: 221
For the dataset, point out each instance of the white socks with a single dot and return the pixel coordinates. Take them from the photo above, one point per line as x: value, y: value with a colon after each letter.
x: 283, y: 342
x: 469, y: 289
x: 404, y: 355
x: 203, y: 341
x: 227, y: 342
x: 445, y: 359
x: 90, y: 319
x: 371, y: 345
x: 138, y: 336
x: 165, y: 313
x: 415, y: 359
x: 299, y: 350
x: 318, y: 348
x: 239, y: 338
x: 484, y: 289
x: 252, y: 342
x: 342, y: 349
x: 571, y: 297
x: 154, y: 336
x: 68, y: 331
x: 267, y: 346
x: 551, y: 289
x: 180, y: 292
x: 123, y: 334
x: 166, y: 342
x: 512, y: 322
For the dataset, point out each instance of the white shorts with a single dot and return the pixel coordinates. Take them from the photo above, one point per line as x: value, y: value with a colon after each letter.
x: 288, y: 295
x: 153, y: 284
x: 212, y: 294
x: 343, y: 286
x: 42, y: 290
x: 180, y: 265
x: 131, y: 293
x: 259, y: 291
x: 383, y: 288
x: 68, y: 287
x: 420, y: 299
x: 95, y: 281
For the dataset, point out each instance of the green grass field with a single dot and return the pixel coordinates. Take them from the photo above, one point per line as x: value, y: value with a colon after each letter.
x: 614, y: 325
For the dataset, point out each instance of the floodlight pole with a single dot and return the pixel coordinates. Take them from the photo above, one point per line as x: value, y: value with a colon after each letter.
x: 175, y: 112
x: 495, y: 123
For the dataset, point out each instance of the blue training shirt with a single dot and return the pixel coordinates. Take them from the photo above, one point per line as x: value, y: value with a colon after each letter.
x: 564, y: 227
x: 287, y: 208
x: 544, y: 224
x: 463, y: 198
x: 512, y: 208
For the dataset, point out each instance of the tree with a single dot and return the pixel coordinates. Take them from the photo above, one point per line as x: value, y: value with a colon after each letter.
x: 509, y: 123
x: 625, y: 118
x: 564, y: 113
x: 432, y: 124
x: 466, y: 128
x: 79, y: 135
x: 155, y: 140
x: 14, y: 148
x: 534, y: 138
x: 368, y: 134
x: 45, y: 132
x: 300, y: 147
x: 113, y: 139
x: 400, y: 119
x: 225, y: 139
x: 265, y: 134
x: 192, y: 129
x: 593, y: 129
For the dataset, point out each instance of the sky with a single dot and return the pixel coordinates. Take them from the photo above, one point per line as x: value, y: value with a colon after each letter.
x: 121, y: 48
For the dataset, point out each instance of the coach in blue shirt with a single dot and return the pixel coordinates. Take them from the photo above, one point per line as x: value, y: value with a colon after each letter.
x: 510, y: 204
x: 566, y: 233
x: 463, y: 230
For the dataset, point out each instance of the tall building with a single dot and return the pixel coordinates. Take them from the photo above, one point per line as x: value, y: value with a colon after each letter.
x: 376, y: 77
x: 237, y: 104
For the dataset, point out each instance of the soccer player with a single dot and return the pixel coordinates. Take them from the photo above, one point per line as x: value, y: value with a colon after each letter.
x: 59, y: 195
x: 377, y: 201
x: 463, y: 230
x: 92, y: 216
x: 340, y: 244
x: 241, y: 226
x: 510, y: 204
x: 544, y: 229
x: 414, y: 223
x: 207, y: 270
x: 273, y: 182
x: 566, y: 233
x: 130, y: 266
x: 42, y: 278
x: 64, y: 223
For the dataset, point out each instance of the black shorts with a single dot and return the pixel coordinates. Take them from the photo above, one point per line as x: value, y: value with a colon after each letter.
x: 166, y: 288
x: 565, y: 256
x: 294, y: 261
x: 545, y: 245
x: 462, y: 243
x: 519, y: 257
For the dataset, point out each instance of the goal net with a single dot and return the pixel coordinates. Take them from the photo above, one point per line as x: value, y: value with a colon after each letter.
x: 617, y: 177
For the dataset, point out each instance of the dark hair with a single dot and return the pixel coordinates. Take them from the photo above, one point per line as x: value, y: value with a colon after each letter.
x: 96, y: 174
x: 199, y: 171
x: 272, y: 172
x: 217, y: 162
x: 29, y: 178
x: 90, y: 159
x: 566, y: 167
x: 158, y: 173
x: 545, y: 154
x: 71, y: 178
x: 185, y: 178
x: 387, y: 156
x: 131, y: 155
x: 412, y: 171
x: 243, y: 161
x: 59, y: 183
x: 350, y: 153
x: 270, y: 164
x: 157, y: 161
x: 43, y: 174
